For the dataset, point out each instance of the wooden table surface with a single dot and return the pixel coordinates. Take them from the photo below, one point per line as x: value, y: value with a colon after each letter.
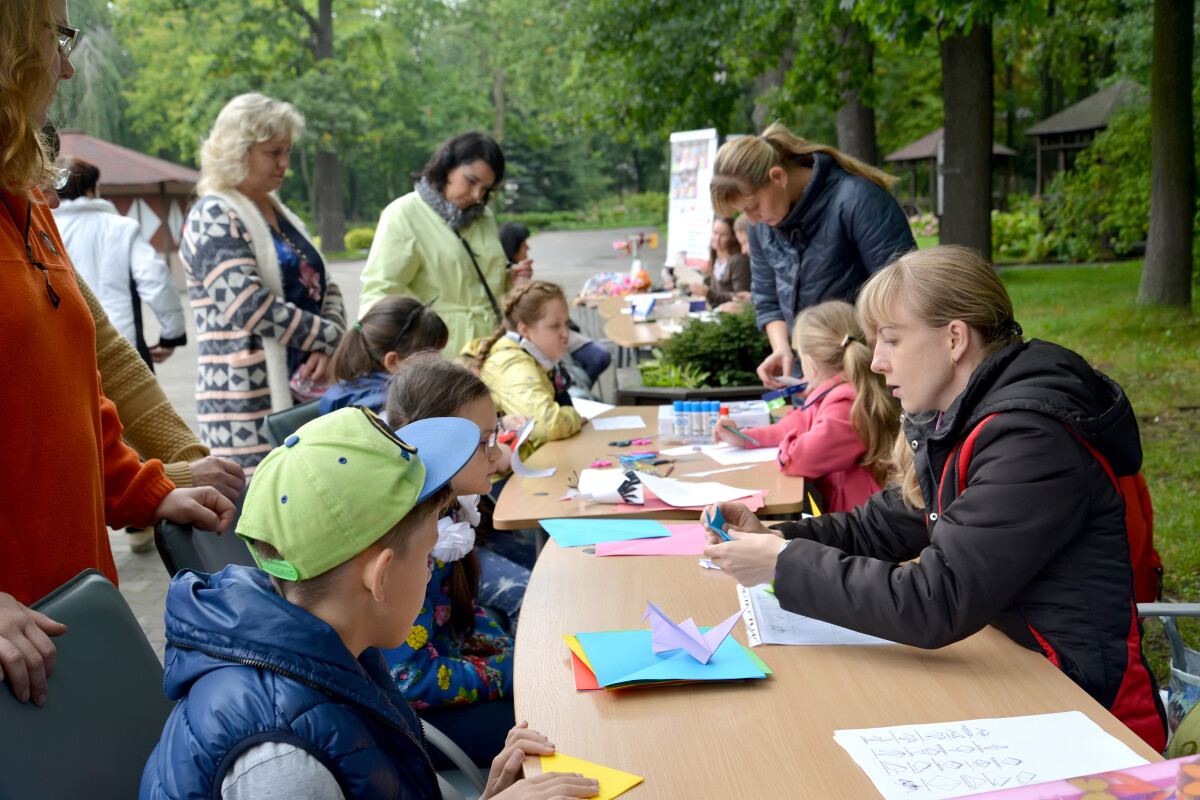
x: 768, y: 738
x: 611, y: 307
x: 524, y: 501
x: 632, y: 335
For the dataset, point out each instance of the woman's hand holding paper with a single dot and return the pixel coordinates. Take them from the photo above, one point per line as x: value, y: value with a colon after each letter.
x: 737, y: 517
x: 750, y: 558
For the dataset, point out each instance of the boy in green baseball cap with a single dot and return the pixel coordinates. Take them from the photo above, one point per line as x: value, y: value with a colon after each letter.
x: 281, y: 686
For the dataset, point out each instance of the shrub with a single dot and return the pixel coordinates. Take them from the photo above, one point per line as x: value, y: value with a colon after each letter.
x: 1021, y: 235
x: 726, y: 351
x: 360, y: 238
x: 924, y: 224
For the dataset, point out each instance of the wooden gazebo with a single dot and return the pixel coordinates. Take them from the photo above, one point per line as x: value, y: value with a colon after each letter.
x: 1061, y: 136
x: 924, y: 153
x: 152, y: 191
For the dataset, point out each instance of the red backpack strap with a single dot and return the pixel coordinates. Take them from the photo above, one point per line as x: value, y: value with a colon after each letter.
x: 964, y: 450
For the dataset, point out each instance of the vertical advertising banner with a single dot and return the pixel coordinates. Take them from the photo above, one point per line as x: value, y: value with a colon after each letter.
x: 690, y: 213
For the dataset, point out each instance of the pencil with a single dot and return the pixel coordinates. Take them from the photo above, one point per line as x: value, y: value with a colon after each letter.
x: 749, y: 439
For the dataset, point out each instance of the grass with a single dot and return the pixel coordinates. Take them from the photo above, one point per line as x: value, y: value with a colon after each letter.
x: 1153, y: 354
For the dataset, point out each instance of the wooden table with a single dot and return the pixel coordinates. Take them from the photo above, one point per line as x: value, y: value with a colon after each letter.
x: 631, y: 335
x: 768, y: 738
x: 524, y: 501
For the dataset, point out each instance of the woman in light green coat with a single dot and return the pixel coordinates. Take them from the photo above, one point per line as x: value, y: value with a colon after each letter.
x: 440, y: 241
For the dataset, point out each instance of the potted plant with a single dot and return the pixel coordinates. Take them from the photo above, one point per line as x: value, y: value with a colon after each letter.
x: 710, y: 360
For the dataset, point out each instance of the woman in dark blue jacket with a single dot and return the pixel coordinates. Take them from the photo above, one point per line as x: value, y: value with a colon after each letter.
x: 822, y: 222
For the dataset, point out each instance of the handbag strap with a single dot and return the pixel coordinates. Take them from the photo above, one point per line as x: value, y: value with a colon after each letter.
x: 479, y: 272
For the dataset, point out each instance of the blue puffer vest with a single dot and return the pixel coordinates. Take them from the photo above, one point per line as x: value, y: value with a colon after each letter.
x: 249, y: 667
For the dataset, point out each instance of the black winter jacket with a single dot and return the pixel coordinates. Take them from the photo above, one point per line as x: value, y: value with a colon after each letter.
x: 843, y: 229
x: 1035, y: 544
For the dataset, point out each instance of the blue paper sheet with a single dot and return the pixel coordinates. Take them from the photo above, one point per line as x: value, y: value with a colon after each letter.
x: 577, y: 532
x: 619, y: 657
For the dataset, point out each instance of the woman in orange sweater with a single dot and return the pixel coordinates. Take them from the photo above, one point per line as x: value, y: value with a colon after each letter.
x: 69, y: 472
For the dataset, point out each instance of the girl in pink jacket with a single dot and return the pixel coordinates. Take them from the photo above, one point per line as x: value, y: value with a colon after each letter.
x: 841, y: 437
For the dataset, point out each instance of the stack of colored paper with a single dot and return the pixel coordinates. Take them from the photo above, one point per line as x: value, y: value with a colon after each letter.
x: 624, y: 659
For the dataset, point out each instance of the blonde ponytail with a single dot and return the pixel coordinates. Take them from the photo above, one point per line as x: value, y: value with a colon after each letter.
x: 743, y: 165
x: 829, y: 334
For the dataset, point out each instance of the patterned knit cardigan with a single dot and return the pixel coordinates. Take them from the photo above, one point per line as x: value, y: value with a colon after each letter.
x: 244, y: 326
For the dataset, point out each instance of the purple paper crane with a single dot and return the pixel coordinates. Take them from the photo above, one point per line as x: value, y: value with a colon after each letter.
x: 666, y: 635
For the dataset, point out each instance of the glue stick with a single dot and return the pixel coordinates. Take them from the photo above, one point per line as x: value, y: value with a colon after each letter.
x: 681, y: 426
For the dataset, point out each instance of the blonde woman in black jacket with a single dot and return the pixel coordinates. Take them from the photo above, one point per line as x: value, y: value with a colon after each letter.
x: 1002, y: 489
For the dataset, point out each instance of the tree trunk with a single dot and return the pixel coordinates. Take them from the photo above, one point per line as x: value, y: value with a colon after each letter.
x: 766, y: 82
x: 1167, y: 274
x: 856, y: 119
x: 332, y: 217
x: 498, y: 99
x: 967, y: 92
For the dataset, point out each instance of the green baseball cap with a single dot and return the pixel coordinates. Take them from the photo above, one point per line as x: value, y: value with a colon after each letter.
x: 342, y: 481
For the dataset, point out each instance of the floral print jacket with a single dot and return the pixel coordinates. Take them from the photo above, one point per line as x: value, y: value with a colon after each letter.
x: 434, y: 668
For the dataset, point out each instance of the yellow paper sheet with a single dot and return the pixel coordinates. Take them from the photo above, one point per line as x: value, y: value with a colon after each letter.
x: 613, y: 782
x: 577, y: 649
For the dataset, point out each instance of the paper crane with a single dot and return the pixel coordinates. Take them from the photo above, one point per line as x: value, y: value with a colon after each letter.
x: 666, y: 635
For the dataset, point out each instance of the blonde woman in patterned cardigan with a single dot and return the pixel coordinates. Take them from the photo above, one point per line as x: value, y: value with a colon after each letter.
x: 265, y: 310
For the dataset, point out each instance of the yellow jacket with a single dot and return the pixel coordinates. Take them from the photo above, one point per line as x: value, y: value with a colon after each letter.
x: 519, y: 386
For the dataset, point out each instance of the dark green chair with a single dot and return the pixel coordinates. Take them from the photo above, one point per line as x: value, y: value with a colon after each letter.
x: 185, y: 547
x: 283, y: 424
x: 104, y: 710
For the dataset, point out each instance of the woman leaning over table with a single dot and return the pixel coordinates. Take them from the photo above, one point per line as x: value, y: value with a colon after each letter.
x: 999, y: 494
x: 266, y: 314
x: 440, y: 241
x: 69, y: 473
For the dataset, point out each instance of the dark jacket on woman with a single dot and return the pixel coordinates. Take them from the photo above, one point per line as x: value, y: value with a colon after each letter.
x: 843, y: 229
x: 1034, y: 542
x: 736, y: 278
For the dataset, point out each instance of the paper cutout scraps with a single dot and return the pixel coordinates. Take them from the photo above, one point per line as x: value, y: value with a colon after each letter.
x: 570, y: 532
x: 666, y: 635
x: 518, y: 466
x: 611, y: 486
x: 613, y: 782
x: 684, y: 540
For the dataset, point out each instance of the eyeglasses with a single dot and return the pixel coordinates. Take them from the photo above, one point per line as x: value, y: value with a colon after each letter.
x: 489, y: 443
x: 68, y: 37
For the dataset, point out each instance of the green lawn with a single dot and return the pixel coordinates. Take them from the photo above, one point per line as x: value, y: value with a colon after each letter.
x: 1155, y: 355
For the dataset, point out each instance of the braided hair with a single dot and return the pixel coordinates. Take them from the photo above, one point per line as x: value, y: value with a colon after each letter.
x: 526, y: 304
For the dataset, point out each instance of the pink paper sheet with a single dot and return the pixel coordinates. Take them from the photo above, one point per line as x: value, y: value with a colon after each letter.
x: 685, y: 540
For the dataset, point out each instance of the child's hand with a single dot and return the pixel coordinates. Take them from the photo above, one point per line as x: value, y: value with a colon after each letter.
x: 521, y: 741
x: 202, y: 506
x: 721, y: 433
x: 550, y: 786
x: 749, y: 558
x: 512, y: 422
x: 737, y: 517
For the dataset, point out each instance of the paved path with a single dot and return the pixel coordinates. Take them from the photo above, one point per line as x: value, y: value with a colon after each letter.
x: 567, y: 258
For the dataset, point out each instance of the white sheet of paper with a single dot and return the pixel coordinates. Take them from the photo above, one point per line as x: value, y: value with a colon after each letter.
x: 518, y: 466
x: 685, y: 495
x: 725, y: 455
x: 590, y: 408
x: 601, y: 485
x: 626, y: 423
x: 708, y: 472
x: 952, y: 759
x: 767, y: 623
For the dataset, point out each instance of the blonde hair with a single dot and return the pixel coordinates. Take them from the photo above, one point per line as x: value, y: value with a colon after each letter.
x: 245, y: 121
x: 25, y: 85
x: 829, y: 334
x: 741, y: 224
x: 938, y: 285
x: 743, y: 165
x: 526, y: 303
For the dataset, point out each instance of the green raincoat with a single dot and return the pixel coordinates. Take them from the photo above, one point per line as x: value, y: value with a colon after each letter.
x: 416, y: 253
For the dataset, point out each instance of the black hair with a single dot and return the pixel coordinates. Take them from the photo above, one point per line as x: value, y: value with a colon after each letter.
x: 512, y: 235
x: 464, y: 148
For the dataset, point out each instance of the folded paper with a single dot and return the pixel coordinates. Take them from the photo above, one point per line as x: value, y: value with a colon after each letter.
x: 622, y: 659
x: 611, y: 486
x: 667, y: 635
x: 518, y: 466
x: 612, y: 782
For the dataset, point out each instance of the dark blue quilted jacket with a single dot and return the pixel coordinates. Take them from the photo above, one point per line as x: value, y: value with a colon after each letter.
x: 249, y: 667
x: 843, y: 229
